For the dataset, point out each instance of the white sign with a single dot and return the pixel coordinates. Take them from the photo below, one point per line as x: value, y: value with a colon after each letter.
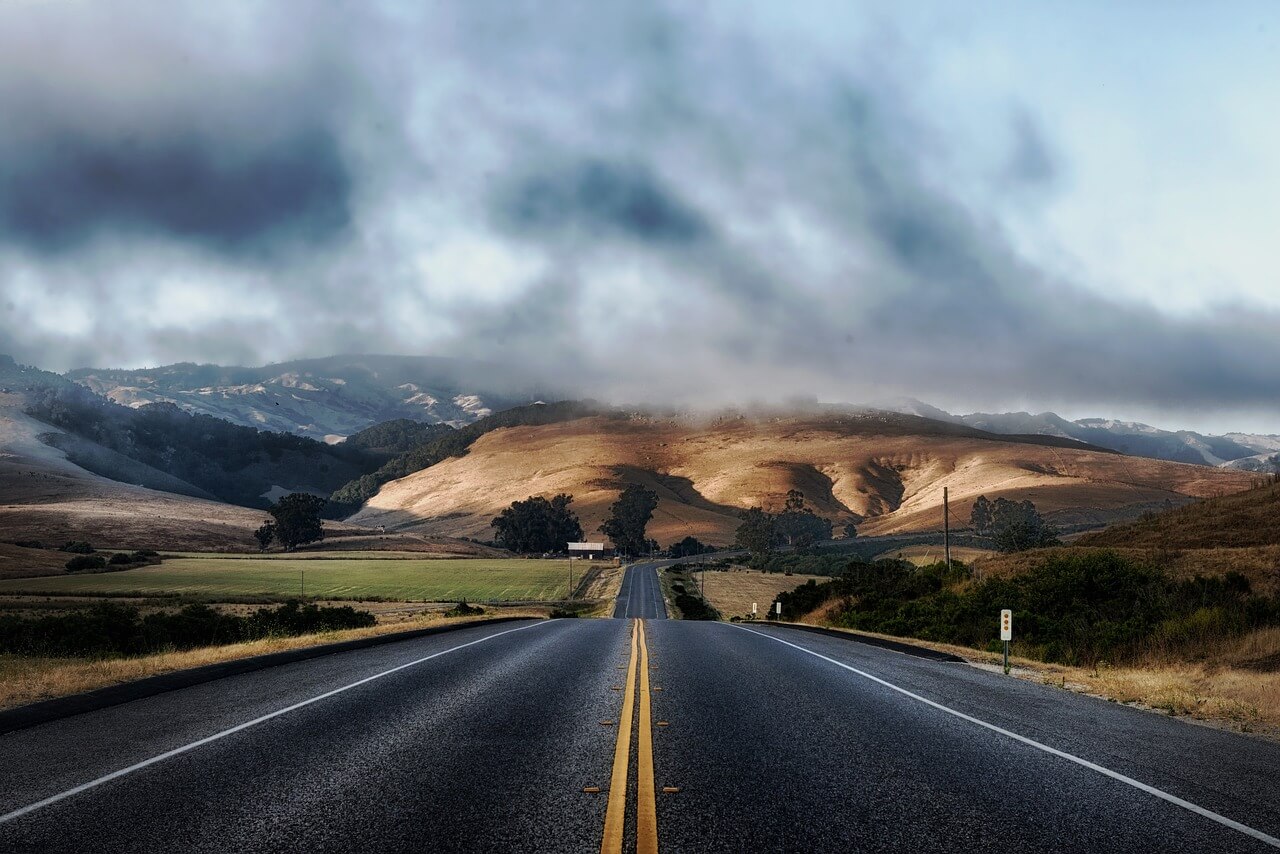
x: 779, y: 604
x: 586, y: 547
x: 1006, y: 625
x: 753, y: 607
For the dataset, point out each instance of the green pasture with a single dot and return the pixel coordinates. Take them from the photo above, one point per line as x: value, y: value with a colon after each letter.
x: 398, y: 579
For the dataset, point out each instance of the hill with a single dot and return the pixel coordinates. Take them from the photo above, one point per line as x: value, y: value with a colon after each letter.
x: 1244, y: 451
x: 325, y: 399
x: 883, y: 471
x: 1242, y: 520
x: 45, y: 496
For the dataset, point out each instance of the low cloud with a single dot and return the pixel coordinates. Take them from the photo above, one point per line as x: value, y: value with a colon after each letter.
x: 678, y: 209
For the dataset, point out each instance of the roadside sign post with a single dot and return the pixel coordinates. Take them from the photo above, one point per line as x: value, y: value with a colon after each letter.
x: 778, y: 606
x: 1006, y: 635
x: 753, y: 610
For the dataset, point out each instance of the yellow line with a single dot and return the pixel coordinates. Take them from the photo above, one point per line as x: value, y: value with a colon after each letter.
x: 615, y: 816
x: 646, y: 807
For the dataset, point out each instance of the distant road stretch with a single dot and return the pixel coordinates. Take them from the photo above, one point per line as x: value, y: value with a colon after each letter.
x: 632, y: 735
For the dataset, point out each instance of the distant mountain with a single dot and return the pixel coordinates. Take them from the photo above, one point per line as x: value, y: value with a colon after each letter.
x: 326, y: 399
x: 1244, y: 451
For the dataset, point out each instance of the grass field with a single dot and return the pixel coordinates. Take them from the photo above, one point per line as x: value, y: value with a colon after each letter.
x: 923, y: 555
x: 399, y: 579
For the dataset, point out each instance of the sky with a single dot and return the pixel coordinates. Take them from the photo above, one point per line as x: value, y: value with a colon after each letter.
x: 987, y: 206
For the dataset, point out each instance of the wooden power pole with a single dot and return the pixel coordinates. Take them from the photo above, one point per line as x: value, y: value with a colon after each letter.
x: 946, y: 528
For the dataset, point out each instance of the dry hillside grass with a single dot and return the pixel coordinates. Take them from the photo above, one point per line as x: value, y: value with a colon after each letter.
x: 1261, y: 564
x: 885, y: 473
x: 1243, y: 520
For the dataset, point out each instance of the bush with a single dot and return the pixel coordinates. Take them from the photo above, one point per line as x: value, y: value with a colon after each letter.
x: 77, y: 547
x: 1073, y: 609
x: 142, y: 554
x: 120, y: 558
x: 462, y: 609
x: 83, y: 562
x: 110, y: 629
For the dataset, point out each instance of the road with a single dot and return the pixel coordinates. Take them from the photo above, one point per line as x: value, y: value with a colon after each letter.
x: 485, y: 739
x: 641, y: 595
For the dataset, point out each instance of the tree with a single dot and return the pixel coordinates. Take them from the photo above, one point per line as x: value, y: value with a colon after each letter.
x: 850, y: 531
x: 757, y: 533
x: 1013, y: 526
x: 799, y: 525
x: 538, y: 525
x: 297, y: 519
x: 265, y: 534
x: 980, y: 515
x: 689, y: 547
x: 628, y: 518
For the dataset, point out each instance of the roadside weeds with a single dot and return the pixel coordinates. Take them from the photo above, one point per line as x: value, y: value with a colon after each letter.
x: 1218, y: 694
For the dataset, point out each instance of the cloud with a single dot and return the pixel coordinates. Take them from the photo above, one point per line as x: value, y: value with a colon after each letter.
x: 693, y: 209
x: 594, y: 198
x: 227, y: 193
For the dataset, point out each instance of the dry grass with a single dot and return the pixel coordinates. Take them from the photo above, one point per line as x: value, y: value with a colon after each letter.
x: 888, y: 472
x: 731, y: 593
x: 924, y: 555
x: 1237, y: 688
x: 1259, y: 564
x: 27, y: 680
x: 1241, y: 520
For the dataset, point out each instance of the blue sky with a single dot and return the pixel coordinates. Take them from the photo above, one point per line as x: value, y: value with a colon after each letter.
x: 985, y: 205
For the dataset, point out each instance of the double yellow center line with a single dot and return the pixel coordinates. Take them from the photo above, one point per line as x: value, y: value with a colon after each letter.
x: 646, y: 804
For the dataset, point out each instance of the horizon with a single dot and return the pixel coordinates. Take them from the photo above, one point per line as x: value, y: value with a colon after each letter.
x: 1207, y: 427
x: 653, y: 202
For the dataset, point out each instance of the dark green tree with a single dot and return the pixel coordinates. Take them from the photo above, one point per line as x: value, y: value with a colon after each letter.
x: 757, y: 533
x: 689, y: 547
x: 850, y: 531
x: 798, y: 525
x: 538, y: 525
x: 265, y: 534
x: 980, y: 515
x: 1013, y: 526
x: 297, y: 519
x: 628, y: 518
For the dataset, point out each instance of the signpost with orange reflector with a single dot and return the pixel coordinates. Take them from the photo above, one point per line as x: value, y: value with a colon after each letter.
x: 1006, y: 635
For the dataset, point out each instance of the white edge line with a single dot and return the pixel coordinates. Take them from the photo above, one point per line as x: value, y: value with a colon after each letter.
x: 138, y: 766
x: 1092, y: 766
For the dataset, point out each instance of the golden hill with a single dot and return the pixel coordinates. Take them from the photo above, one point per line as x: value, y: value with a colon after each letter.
x: 1244, y: 519
x: 885, y: 473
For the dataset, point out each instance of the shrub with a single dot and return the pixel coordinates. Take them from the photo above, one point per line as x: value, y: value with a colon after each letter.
x: 111, y: 629
x: 462, y: 609
x: 1073, y: 608
x: 120, y: 558
x: 83, y: 562
x: 78, y: 547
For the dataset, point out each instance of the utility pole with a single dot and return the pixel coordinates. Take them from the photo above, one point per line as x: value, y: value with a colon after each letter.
x: 946, y: 528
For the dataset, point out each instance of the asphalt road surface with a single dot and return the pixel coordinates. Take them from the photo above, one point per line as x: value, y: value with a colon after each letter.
x: 641, y: 596
x: 628, y: 734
